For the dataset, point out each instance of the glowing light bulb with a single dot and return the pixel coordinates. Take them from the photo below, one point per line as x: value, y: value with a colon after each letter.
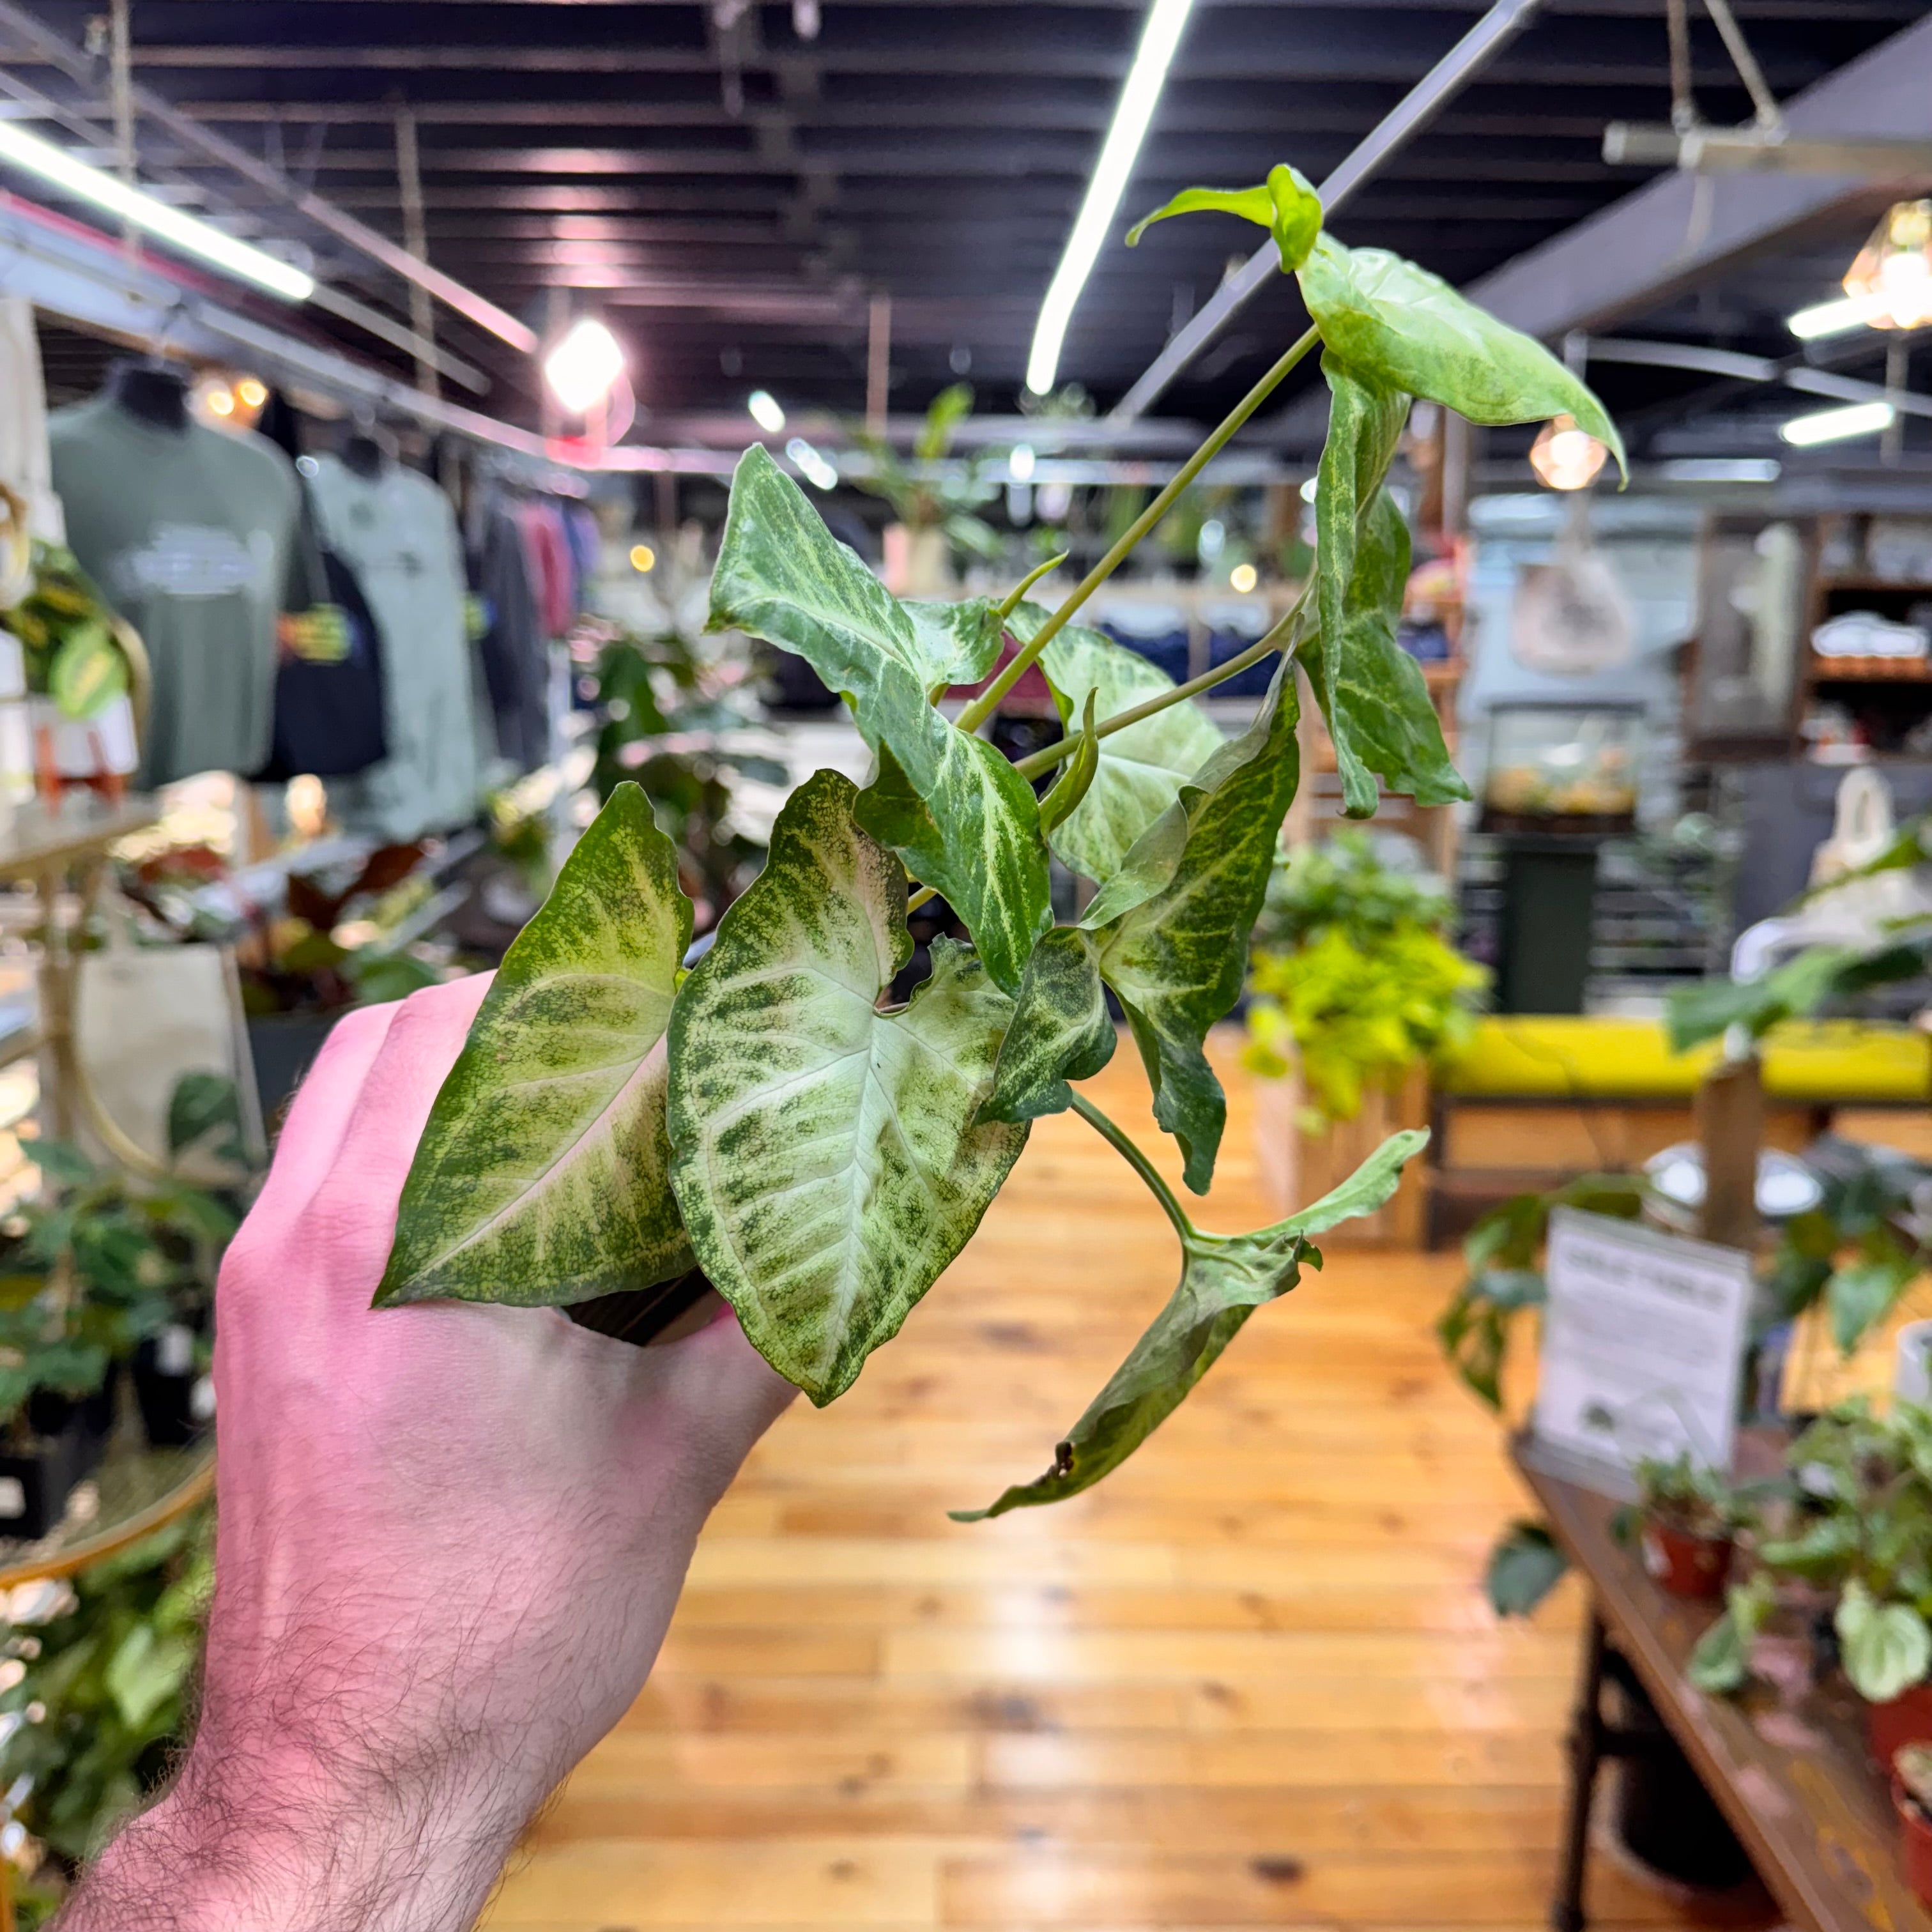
x: 1565, y: 456
x: 583, y: 367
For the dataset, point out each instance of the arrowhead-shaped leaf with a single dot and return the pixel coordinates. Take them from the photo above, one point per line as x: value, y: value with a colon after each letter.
x: 826, y: 1158
x: 1285, y: 205
x: 543, y: 1177
x: 967, y: 823
x: 1389, y: 320
x: 1061, y: 1031
x: 957, y: 644
x: 1370, y: 690
x: 1177, y: 958
x: 1224, y: 1278
x: 1143, y: 767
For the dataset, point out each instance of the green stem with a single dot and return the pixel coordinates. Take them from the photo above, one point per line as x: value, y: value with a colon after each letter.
x: 983, y: 706
x: 919, y: 898
x: 1019, y: 590
x: 1124, y: 1144
x: 1050, y: 755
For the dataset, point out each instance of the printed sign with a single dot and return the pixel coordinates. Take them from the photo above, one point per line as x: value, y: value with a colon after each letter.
x: 1643, y: 1343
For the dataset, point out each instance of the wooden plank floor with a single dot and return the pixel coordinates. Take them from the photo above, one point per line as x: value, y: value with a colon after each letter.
x: 1248, y: 1682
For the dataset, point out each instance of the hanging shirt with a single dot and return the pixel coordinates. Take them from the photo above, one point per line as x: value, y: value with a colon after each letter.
x: 398, y: 535
x: 192, y: 536
x: 516, y: 664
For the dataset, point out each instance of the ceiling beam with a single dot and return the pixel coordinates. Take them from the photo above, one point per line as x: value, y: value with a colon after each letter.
x: 1682, y: 229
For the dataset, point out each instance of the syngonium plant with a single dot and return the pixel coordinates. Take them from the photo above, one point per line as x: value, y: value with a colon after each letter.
x: 822, y: 1155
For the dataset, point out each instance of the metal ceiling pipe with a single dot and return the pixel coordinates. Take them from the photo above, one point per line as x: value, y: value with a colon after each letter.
x: 1741, y: 368
x: 366, y: 241
x: 1458, y: 66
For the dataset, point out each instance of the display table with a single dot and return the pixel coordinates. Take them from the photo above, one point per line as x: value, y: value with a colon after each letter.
x: 1806, y: 1802
x: 140, y: 1491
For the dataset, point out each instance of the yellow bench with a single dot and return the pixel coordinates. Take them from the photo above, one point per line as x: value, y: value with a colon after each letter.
x: 1533, y: 1100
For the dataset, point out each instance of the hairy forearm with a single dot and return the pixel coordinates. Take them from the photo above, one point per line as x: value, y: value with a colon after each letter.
x: 247, y: 1840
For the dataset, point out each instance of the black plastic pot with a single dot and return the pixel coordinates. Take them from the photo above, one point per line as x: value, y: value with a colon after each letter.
x: 166, y: 1380
x: 284, y: 1047
x: 65, y: 1446
x: 1663, y: 1816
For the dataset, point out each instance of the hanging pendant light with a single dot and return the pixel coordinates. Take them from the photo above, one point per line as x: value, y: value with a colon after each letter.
x: 1893, y: 273
x: 1565, y: 456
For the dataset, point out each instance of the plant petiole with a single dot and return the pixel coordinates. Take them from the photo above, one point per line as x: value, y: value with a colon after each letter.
x: 1050, y: 755
x: 1124, y: 1144
x: 983, y: 706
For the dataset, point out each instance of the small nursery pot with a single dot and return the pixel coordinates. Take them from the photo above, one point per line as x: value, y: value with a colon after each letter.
x: 174, y: 1397
x: 1915, y: 1845
x: 38, y: 1471
x: 1685, y: 1565
x: 1904, y: 1720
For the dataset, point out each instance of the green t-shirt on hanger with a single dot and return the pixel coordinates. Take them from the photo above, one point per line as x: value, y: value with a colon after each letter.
x: 192, y: 535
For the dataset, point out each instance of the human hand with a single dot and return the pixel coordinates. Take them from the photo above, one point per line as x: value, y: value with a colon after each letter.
x: 451, y: 1538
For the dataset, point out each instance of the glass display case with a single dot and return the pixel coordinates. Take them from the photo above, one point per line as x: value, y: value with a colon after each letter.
x: 1562, y: 768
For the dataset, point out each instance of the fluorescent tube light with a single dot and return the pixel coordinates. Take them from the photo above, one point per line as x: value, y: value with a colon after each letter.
x: 1837, y: 317
x: 765, y: 411
x: 815, y: 466
x: 1159, y: 38
x: 1721, y: 470
x: 1020, y: 463
x: 1836, y: 425
x: 187, y: 233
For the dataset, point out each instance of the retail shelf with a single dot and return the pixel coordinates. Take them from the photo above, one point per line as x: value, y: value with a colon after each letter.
x: 1870, y: 671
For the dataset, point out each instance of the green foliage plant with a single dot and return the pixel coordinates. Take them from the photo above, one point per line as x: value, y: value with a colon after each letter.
x: 926, y: 495
x: 65, y: 627
x: 1862, y: 1527
x: 1689, y: 1496
x: 1361, y: 985
x: 823, y: 1152
x: 100, y: 1693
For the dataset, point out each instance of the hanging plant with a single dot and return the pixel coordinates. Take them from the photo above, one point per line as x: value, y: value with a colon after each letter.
x: 821, y: 1154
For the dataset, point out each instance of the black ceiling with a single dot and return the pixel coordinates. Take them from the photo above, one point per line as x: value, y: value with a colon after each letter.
x: 730, y: 193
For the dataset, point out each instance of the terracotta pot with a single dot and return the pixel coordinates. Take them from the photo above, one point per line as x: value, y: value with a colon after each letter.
x: 1906, y: 1719
x: 1685, y: 1565
x: 1914, y: 1846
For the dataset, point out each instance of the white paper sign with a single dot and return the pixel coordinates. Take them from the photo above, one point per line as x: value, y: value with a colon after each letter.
x: 1643, y: 1343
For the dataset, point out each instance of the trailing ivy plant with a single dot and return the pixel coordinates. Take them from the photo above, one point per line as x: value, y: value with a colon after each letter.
x: 822, y: 1154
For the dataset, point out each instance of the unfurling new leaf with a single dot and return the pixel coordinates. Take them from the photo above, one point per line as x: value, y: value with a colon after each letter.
x: 1141, y: 766
x: 826, y: 1155
x: 543, y: 1177
x: 1224, y: 1278
x: 1285, y: 205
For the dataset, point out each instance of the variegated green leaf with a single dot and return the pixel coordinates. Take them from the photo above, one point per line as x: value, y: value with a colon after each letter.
x: 1177, y: 958
x: 88, y: 672
x: 1285, y: 205
x: 1407, y: 329
x: 543, y: 1177
x: 1061, y: 1031
x: 1148, y: 868
x: 957, y: 644
x: 826, y: 1158
x: 1143, y: 767
x: 966, y: 822
x: 1373, y: 693
x: 1354, y: 559
x: 1224, y: 1278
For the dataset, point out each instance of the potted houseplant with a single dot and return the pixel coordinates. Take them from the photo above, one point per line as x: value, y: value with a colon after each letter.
x: 1353, y: 988
x: 822, y: 1151
x: 99, y: 1698
x: 933, y: 507
x: 1911, y: 1791
x: 1690, y: 1516
x: 1861, y: 1529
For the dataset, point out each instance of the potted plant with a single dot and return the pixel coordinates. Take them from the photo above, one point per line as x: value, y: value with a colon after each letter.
x: 933, y: 504
x: 97, y: 1698
x: 1860, y: 1529
x: 1911, y: 1791
x: 125, y: 1272
x: 1690, y: 1516
x: 821, y: 1151
x: 1353, y: 988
